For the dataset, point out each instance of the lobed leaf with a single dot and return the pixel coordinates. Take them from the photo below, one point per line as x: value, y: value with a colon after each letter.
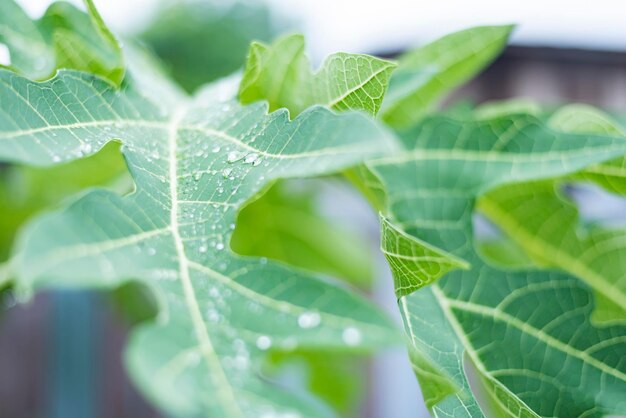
x: 194, y: 166
x: 426, y: 74
x: 546, y: 225
x: 281, y: 74
x: 64, y: 37
x: 527, y: 332
x: 582, y: 119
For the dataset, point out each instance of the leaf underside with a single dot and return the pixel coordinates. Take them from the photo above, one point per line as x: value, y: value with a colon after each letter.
x: 193, y: 167
x: 527, y: 332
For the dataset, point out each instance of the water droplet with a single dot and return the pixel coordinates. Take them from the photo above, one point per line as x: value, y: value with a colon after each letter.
x: 215, y: 148
x: 251, y: 158
x: 351, y: 336
x: 226, y: 172
x: 219, y: 246
x: 213, y: 315
x: 220, y: 190
x: 202, y: 249
x: 234, y: 156
x: 151, y: 251
x: 309, y: 319
x: 263, y: 342
x: 85, y: 148
x: 241, y: 362
x: 197, y: 175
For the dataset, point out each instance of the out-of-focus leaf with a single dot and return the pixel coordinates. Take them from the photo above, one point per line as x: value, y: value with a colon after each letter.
x: 285, y: 225
x: 491, y: 110
x: 582, y: 118
x: 25, y: 191
x: 424, y: 75
x: 528, y: 332
x: 547, y: 227
x: 219, y: 312
x: 64, y: 37
x: 503, y: 252
x: 201, y: 41
x: 337, y: 378
x: 282, y: 75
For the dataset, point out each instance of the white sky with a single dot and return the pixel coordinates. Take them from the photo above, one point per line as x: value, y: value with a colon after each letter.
x: 379, y: 25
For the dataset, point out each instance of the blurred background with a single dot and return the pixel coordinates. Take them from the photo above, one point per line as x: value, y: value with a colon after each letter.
x: 60, y: 354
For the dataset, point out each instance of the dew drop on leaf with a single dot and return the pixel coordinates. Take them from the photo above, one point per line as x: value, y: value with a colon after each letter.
x: 263, y: 342
x: 309, y: 319
x: 251, y: 158
x: 234, y: 156
x: 351, y: 336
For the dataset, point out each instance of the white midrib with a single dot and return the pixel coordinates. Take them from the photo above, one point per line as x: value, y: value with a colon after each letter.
x: 359, y: 86
x: 223, y: 389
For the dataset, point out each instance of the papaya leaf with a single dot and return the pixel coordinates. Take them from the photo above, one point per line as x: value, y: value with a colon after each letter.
x: 282, y: 75
x: 527, y: 332
x: 545, y: 223
x: 225, y: 33
x: 585, y: 119
x: 414, y: 263
x: 64, y: 37
x: 194, y: 166
x: 424, y: 75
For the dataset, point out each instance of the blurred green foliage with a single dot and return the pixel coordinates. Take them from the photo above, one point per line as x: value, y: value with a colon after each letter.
x: 201, y: 41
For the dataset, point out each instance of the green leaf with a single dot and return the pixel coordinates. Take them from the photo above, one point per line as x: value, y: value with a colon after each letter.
x: 338, y: 378
x: 281, y: 74
x: 414, y: 263
x: 503, y: 252
x: 585, y: 119
x: 64, y: 37
x: 547, y: 227
x: 546, y: 224
x: 491, y: 110
x: 295, y: 232
x: 424, y: 75
x: 25, y: 191
x: 203, y: 41
x: 527, y: 332
x: 218, y: 312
